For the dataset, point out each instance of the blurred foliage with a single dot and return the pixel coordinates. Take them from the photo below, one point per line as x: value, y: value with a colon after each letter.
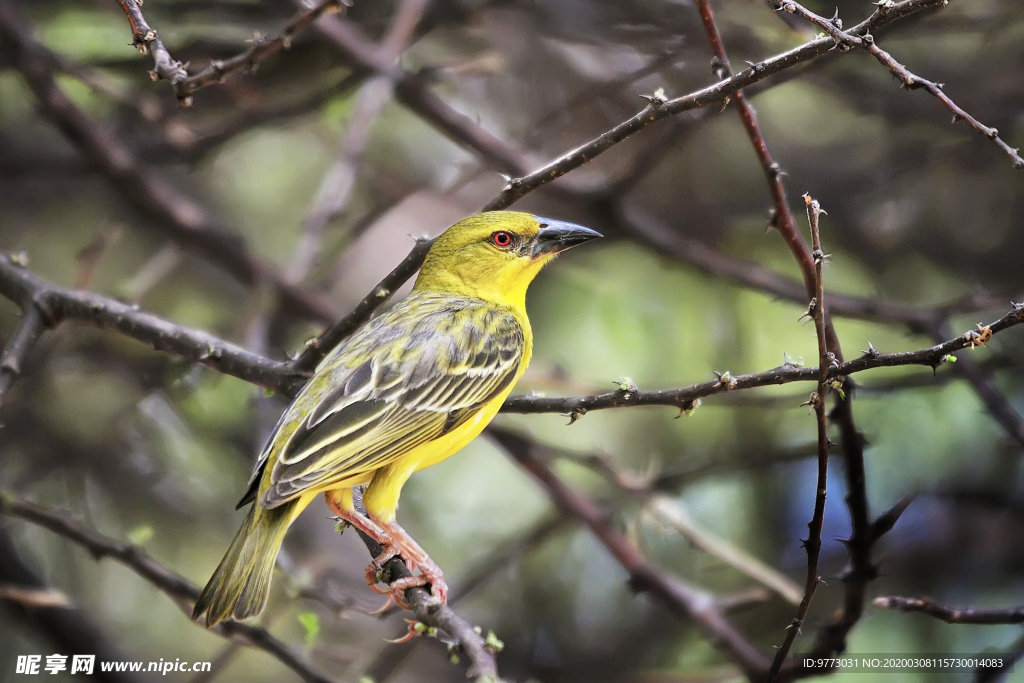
x: 148, y: 449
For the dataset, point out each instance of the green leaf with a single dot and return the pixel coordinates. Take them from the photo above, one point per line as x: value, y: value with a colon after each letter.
x: 311, y: 625
x: 142, y: 534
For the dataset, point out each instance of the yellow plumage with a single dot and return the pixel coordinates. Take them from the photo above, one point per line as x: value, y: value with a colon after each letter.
x: 406, y: 391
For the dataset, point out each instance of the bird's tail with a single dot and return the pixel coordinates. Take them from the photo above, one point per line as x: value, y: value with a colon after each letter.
x: 241, y: 584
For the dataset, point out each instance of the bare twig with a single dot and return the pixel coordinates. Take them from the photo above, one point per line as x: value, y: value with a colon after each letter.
x: 146, y: 39
x: 183, y: 592
x: 56, y: 305
x: 660, y: 107
x: 26, y: 334
x: 825, y: 361
x: 684, y: 600
x: 952, y: 615
x: 261, y: 48
x: 319, y: 347
x: 19, y: 285
x: 684, y: 398
x: 146, y: 190
x: 908, y: 80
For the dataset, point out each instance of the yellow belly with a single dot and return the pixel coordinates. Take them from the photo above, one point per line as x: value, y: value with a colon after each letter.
x: 454, y: 441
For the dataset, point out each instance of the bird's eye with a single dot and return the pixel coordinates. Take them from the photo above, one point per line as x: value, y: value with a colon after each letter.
x: 502, y: 239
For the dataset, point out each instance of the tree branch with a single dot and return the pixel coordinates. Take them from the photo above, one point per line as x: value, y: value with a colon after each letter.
x: 682, y: 599
x: 146, y: 39
x: 150, y: 193
x: 26, y: 334
x: 952, y: 615
x: 908, y: 80
x: 180, y: 590
x: 660, y: 108
x: 318, y: 348
x: 817, y: 310
x: 57, y: 304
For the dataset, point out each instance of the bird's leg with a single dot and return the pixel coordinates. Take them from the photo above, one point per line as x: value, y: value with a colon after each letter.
x: 338, y: 503
x: 417, y: 559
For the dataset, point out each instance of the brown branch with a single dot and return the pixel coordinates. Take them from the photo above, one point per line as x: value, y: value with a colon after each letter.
x: 146, y: 39
x: 28, y: 331
x: 57, y: 305
x: 412, y: 90
x: 318, y: 348
x: 683, y: 398
x: 887, y: 520
x: 952, y: 615
x: 387, y: 661
x: 261, y: 48
x: 682, y: 599
x: 183, y: 592
x: 999, y: 406
x: 825, y: 360
x: 147, y: 191
x: 660, y: 108
x: 908, y: 80
x: 430, y: 611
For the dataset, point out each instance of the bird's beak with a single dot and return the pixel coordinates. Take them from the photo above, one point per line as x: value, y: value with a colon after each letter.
x: 556, y: 236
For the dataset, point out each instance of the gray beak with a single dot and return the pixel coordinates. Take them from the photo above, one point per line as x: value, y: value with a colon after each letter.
x: 556, y: 236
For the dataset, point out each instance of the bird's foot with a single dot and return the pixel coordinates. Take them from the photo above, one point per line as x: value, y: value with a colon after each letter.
x: 416, y: 559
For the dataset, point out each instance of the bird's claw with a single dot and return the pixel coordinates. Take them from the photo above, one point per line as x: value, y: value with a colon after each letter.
x: 395, y: 591
x: 416, y: 628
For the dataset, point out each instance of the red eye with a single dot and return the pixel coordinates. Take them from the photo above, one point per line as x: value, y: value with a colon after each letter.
x: 502, y: 239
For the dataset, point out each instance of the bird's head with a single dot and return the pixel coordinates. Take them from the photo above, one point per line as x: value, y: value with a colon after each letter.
x: 495, y: 255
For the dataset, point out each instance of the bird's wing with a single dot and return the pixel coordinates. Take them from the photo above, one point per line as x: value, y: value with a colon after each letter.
x: 408, y: 379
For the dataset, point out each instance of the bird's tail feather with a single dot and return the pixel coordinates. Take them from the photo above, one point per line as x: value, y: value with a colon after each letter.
x: 239, y: 587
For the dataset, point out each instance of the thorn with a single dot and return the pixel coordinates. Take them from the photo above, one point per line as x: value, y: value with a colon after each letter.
x: 626, y: 387
x: 871, y: 352
x: 575, y: 414
x: 657, y: 99
x: 687, y: 408
x: 725, y: 379
x: 811, y: 308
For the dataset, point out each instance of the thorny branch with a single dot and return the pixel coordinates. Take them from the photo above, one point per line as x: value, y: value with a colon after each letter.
x: 149, y: 192
x: 952, y: 615
x: 910, y: 81
x: 415, y: 95
x: 59, y: 304
x: 183, y: 592
x: 825, y: 360
x: 146, y: 39
x: 25, y: 336
x: 682, y: 599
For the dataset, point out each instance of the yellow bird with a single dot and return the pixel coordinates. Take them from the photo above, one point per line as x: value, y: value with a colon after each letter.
x: 409, y: 389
